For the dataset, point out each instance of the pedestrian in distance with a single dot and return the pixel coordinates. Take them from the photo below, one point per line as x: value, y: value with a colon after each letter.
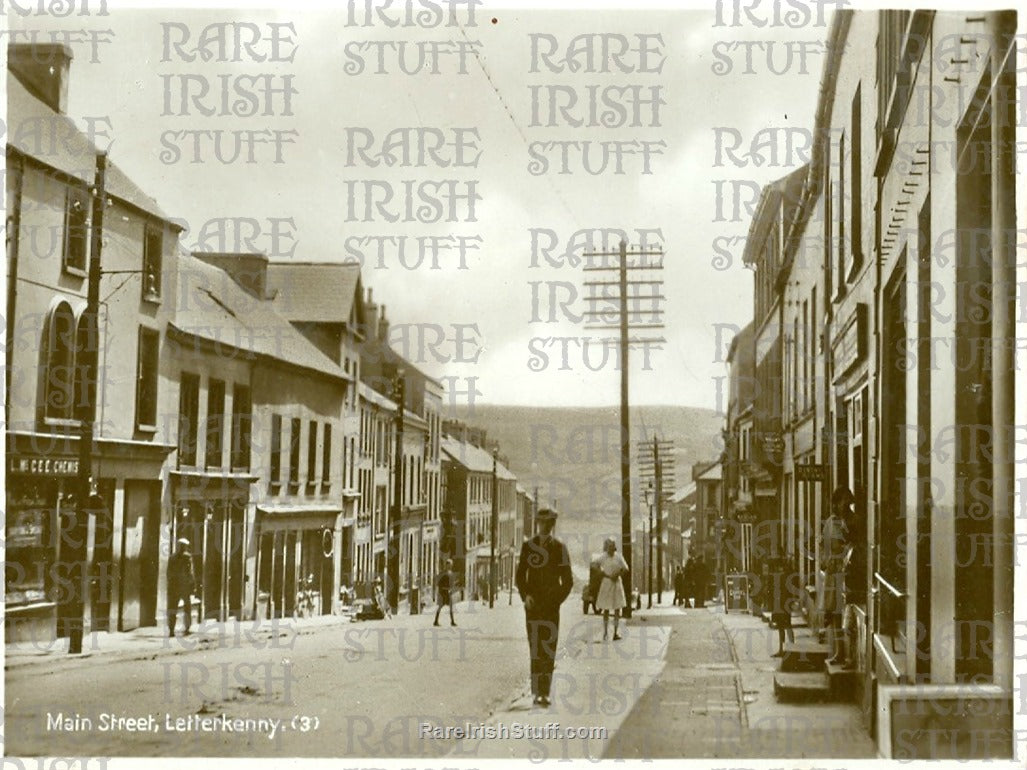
x: 544, y: 582
x: 181, y: 584
x: 611, y: 596
x: 700, y: 581
x: 445, y: 593
x: 781, y: 594
x: 380, y: 600
x: 688, y: 583
x: 677, y: 586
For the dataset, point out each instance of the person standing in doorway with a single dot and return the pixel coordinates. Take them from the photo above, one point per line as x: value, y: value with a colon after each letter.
x: 181, y: 584
x: 611, y: 591
x: 544, y: 582
x: 445, y: 591
x: 834, y: 543
x: 782, y: 596
x: 854, y: 589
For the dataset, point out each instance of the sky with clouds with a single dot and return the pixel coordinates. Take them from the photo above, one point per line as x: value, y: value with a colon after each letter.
x: 714, y: 79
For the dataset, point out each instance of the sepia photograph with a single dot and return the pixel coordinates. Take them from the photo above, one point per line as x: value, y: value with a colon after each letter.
x: 431, y: 383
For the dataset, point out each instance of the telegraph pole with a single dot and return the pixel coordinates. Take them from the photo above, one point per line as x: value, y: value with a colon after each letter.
x: 653, y: 465
x: 649, y: 542
x: 493, y: 529
x: 619, y: 309
x: 659, y: 522
x: 73, y: 552
x: 395, y: 529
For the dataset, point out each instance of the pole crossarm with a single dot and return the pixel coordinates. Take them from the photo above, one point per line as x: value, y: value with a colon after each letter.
x: 633, y: 326
x: 653, y: 282
x: 597, y: 297
x: 643, y: 266
x: 625, y: 253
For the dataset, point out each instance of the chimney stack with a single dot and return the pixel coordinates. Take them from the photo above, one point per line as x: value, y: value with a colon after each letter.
x: 43, y: 69
x: 247, y: 270
x: 383, y: 327
x: 370, y: 317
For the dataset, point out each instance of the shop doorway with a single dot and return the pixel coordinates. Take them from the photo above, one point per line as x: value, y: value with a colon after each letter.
x: 140, y: 549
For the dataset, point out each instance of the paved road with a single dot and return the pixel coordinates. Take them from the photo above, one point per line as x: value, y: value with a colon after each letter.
x: 353, y: 690
x: 692, y: 683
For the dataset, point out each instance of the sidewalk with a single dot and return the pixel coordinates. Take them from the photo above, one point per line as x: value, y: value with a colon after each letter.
x: 775, y: 729
x: 715, y: 699
x: 148, y: 642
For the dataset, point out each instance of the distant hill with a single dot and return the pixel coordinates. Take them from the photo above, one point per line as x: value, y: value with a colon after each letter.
x: 573, y: 456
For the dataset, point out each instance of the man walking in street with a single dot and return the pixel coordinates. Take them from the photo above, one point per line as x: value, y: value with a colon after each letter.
x: 446, y: 592
x: 180, y: 585
x: 544, y: 581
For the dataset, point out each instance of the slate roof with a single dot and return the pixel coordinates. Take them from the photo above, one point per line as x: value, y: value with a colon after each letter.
x: 712, y: 473
x: 474, y: 459
x: 212, y: 307
x: 38, y: 131
x: 684, y: 493
x: 778, y: 202
x: 317, y: 292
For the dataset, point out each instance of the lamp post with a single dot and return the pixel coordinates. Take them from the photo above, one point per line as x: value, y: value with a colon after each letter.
x: 649, y: 540
x: 494, y: 529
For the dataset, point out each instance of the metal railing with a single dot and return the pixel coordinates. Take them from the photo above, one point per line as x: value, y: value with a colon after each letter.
x: 890, y: 598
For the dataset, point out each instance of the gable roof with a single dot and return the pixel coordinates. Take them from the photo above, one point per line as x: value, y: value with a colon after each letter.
x: 319, y: 292
x: 474, y: 459
x: 212, y: 307
x: 39, y: 132
x: 684, y: 493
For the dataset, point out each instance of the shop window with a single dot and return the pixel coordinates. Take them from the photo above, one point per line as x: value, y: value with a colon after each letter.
x: 153, y: 254
x: 188, y: 418
x: 146, y: 379
x: 215, y: 424
x: 29, y: 541
x: 242, y: 427
x: 76, y: 230
x: 58, y: 392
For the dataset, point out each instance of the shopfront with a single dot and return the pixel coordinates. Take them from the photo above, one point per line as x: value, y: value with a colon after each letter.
x: 39, y: 489
x: 115, y: 568
x: 210, y: 512
x: 298, y: 550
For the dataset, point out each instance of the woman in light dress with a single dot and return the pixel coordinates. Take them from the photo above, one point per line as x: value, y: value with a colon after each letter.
x: 611, y: 589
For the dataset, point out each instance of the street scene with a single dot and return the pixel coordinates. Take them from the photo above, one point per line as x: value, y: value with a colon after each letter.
x: 441, y: 381
x: 684, y: 683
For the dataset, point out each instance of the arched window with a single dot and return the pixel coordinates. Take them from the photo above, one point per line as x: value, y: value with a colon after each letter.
x: 84, y: 391
x: 58, y: 386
